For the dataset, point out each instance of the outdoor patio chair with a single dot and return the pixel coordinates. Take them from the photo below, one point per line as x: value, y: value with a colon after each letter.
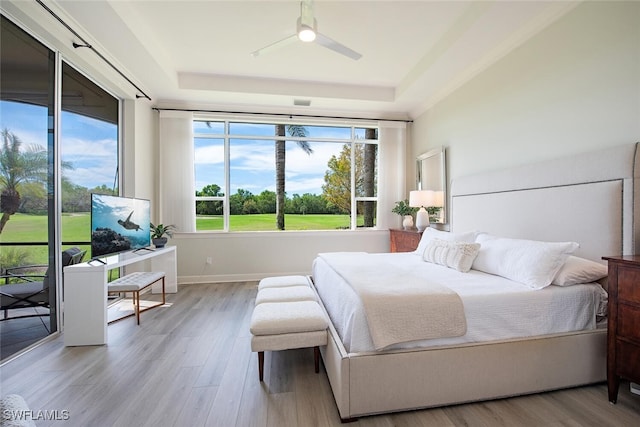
x: 31, y: 290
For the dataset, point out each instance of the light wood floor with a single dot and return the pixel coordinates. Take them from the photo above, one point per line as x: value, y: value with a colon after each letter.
x: 190, y: 364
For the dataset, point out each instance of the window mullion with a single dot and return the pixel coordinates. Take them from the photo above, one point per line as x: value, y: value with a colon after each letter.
x: 227, y: 177
x: 354, y: 208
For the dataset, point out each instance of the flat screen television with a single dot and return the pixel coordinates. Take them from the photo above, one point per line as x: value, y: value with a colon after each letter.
x: 118, y: 224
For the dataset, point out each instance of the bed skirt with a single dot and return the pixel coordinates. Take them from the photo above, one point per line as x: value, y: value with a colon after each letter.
x: 382, y: 382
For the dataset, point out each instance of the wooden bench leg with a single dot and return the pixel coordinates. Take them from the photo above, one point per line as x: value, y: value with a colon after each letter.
x: 137, y: 305
x: 164, y: 300
x: 261, y: 365
x: 316, y: 358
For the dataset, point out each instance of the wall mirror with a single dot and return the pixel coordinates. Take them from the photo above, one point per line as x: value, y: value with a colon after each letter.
x: 431, y: 175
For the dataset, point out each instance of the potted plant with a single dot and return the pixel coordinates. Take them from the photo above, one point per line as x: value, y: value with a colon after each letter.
x: 403, y: 209
x: 160, y: 234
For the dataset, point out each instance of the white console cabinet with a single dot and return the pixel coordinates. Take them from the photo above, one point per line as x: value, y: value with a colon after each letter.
x: 85, y: 291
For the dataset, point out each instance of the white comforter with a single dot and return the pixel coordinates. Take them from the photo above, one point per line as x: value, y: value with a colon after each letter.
x: 495, y: 308
x: 400, y: 306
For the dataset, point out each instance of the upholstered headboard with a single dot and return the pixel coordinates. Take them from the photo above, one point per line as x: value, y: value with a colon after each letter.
x: 590, y: 198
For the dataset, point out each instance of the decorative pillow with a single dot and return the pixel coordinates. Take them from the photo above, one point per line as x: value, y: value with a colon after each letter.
x: 456, y: 255
x: 579, y: 270
x: 530, y: 262
x: 431, y: 233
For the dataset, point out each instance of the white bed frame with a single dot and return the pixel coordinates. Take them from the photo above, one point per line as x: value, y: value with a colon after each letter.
x: 588, y: 198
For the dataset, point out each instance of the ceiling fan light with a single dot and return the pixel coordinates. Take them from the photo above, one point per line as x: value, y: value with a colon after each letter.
x: 307, y: 30
x: 306, y: 34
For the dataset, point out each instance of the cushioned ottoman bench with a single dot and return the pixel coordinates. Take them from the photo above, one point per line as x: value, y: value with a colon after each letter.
x: 136, y: 283
x: 285, y: 294
x: 283, y: 281
x: 287, y: 325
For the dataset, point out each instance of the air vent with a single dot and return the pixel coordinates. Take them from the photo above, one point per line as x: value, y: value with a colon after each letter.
x: 302, y: 102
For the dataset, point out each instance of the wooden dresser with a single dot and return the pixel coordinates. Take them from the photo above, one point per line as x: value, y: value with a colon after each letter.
x: 623, y: 338
x: 404, y: 240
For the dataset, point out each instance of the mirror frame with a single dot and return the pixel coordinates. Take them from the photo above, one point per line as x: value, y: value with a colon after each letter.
x: 434, y: 158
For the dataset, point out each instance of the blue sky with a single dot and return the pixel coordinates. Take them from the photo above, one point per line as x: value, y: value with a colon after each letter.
x: 253, y: 165
x: 90, y: 145
x: 253, y: 160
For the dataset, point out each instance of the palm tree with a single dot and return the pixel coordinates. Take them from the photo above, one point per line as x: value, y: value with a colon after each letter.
x: 19, y: 167
x: 296, y: 131
x: 369, y: 178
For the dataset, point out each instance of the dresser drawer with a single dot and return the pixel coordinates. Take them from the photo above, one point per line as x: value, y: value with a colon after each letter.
x: 629, y: 285
x: 627, y: 359
x: 629, y: 322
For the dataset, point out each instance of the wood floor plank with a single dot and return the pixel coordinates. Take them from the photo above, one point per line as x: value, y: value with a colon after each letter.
x: 196, y: 408
x: 190, y: 363
x: 225, y: 407
x: 282, y: 410
x: 306, y: 383
x: 255, y: 401
x: 169, y: 405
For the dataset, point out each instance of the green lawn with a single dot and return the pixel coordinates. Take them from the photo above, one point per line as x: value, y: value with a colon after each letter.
x: 267, y: 222
x: 76, y: 228
x: 33, y: 228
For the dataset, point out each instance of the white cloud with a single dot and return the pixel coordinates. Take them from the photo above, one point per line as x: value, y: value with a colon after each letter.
x: 92, y: 177
x: 211, y: 154
x: 307, y: 185
x: 79, y: 149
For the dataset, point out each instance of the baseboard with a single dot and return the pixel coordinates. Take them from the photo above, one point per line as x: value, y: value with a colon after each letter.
x: 222, y: 278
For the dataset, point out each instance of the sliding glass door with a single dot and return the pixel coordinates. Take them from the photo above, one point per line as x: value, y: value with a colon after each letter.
x: 57, y: 148
x: 28, y: 191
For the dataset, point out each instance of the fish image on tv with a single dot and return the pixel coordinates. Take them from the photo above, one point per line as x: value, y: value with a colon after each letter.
x: 119, y: 224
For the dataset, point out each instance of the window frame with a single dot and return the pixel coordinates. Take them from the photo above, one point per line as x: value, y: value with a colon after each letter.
x: 227, y: 137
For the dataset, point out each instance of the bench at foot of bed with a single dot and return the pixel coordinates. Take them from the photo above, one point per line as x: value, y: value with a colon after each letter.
x: 287, y: 325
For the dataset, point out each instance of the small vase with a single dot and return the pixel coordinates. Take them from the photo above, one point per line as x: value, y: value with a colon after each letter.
x: 407, y: 222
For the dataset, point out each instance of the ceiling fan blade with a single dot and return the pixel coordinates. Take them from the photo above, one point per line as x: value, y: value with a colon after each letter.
x: 337, y: 47
x: 274, y: 46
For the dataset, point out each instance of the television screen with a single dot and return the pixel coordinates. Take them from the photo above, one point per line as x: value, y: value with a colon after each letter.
x: 119, y: 224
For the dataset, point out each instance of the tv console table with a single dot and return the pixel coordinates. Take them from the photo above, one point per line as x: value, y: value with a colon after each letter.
x: 85, y: 291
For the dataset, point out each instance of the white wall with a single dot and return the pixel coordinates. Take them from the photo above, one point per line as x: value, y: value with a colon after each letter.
x: 255, y: 255
x: 573, y: 87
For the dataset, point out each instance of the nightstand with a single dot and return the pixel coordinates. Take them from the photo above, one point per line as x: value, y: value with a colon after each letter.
x: 404, y: 240
x: 623, y: 323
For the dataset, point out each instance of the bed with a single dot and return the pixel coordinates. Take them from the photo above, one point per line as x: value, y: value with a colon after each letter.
x: 589, y: 198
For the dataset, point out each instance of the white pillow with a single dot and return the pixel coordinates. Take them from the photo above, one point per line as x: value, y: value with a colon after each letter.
x: 579, y: 270
x: 530, y: 262
x: 456, y: 255
x: 431, y: 233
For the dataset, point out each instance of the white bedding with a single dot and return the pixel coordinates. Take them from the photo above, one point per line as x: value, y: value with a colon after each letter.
x: 410, y: 310
x: 495, y: 308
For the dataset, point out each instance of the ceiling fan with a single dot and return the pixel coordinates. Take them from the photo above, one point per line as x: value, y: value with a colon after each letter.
x: 307, y: 31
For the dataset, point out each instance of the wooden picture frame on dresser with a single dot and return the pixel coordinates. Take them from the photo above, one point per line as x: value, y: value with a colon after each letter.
x: 623, y: 323
x: 404, y: 240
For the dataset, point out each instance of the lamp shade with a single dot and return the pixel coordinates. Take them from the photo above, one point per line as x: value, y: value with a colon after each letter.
x: 438, y: 199
x: 422, y: 198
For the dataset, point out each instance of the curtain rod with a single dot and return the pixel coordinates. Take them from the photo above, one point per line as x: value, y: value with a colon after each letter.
x: 86, y: 44
x: 280, y: 114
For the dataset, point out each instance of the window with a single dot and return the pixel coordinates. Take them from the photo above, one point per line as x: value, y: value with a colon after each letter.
x: 266, y: 176
x: 89, y: 151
